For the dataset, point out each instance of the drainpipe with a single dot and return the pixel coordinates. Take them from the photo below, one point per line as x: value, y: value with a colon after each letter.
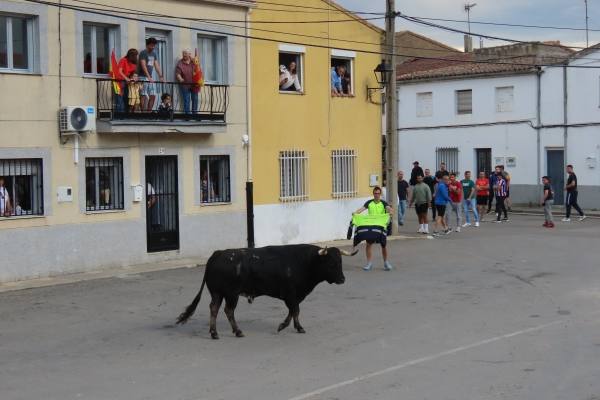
x: 538, y: 128
x: 248, y: 141
x: 565, y: 118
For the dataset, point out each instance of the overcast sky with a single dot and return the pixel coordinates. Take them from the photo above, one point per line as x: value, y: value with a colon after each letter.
x: 563, y: 13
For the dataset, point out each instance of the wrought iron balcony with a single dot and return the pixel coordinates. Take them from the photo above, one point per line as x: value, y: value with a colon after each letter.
x: 211, y: 104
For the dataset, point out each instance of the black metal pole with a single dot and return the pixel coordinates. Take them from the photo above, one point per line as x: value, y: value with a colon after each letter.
x: 250, y: 213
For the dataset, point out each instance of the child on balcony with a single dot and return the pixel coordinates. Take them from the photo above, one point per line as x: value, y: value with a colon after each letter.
x: 133, y: 87
x: 165, y: 108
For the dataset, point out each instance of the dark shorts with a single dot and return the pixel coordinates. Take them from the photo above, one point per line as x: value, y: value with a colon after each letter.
x: 441, y: 210
x: 482, y: 200
x: 421, y: 208
x: 371, y: 235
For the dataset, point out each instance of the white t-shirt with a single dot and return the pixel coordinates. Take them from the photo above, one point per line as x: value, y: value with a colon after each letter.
x: 4, y: 199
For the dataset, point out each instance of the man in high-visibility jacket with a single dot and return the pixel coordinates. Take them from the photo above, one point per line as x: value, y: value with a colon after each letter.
x: 374, y: 234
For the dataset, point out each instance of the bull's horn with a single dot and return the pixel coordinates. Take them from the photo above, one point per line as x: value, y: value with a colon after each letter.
x: 323, y: 252
x: 348, y: 253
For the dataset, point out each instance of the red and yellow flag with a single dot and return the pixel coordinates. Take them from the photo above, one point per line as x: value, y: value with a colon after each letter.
x: 113, y: 70
x: 198, y: 76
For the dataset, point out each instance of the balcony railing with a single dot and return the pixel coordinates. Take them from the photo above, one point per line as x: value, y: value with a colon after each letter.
x: 211, y: 105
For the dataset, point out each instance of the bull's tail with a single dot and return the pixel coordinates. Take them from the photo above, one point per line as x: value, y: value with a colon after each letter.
x: 189, y: 310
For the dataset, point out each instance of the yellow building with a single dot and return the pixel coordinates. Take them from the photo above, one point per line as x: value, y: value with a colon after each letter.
x: 118, y: 184
x: 316, y: 152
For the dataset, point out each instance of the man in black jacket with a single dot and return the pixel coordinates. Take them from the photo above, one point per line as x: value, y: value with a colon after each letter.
x: 416, y: 171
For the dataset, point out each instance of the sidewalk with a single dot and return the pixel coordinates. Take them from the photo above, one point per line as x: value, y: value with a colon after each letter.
x: 557, y: 211
x: 124, y: 272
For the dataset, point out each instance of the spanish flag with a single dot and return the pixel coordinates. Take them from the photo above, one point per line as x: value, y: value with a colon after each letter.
x: 114, y: 68
x: 198, y: 76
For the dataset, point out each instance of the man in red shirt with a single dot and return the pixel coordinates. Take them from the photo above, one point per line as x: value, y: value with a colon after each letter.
x: 456, y: 193
x: 482, y: 185
x: 127, y: 66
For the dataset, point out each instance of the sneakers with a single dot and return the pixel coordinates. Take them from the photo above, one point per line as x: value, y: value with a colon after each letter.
x: 548, y: 224
x: 448, y: 231
x: 497, y: 221
x: 505, y: 219
x: 545, y: 224
x: 420, y: 230
x: 582, y: 218
x: 466, y: 224
x: 566, y: 220
x: 457, y: 229
x: 368, y: 267
x: 387, y: 266
x: 476, y: 224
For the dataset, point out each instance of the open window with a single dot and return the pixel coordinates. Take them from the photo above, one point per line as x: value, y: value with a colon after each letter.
x: 291, y: 69
x: 342, y: 73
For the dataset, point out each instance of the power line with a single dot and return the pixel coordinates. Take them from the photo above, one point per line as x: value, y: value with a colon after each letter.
x: 238, y: 35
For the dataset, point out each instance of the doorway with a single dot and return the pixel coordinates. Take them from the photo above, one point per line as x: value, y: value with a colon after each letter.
x: 484, y: 161
x: 162, y: 203
x: 555, y: 161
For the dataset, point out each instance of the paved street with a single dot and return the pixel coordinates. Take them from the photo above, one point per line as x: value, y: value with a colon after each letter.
x: 508, y: 311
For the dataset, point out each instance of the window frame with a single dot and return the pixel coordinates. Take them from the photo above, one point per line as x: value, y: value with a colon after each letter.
x: 457, y: 95
x: 223, y: 62
x: 113, y: 38
x: 208, y: 158
x: 120, y: 184
x: 29, y: 163
x: 350, y: 57
x: 299, y: 52
x: 418, y: 112
x: 293, y: 176
x: 497, y: 91
x: 344, y: 173
x: 31, y: 43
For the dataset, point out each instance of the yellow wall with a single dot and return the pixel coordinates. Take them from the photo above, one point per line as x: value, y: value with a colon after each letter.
x: 314, y: 122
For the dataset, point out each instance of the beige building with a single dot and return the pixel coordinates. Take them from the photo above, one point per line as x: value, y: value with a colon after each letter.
x: 127, y: 185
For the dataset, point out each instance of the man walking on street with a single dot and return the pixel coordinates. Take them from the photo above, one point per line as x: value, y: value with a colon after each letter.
x: 500, y: 192
x: 548, y: 202
x: 421, y: 197
x: 416, y: 171
x: 442, y: 171
x: 469, y: 199
x: 572, y: 192
x: 492, y: 188
x: 441, y: 201
x: 482, y: 185
x: 456, y: 193
x: 431, y: 182
x: 402, y: 197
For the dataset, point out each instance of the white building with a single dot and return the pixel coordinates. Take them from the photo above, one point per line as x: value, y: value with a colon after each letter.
x: 498, y: 106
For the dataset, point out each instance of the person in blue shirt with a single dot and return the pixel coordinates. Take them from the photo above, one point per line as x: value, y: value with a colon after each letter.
x: 442, y: 198
x: 336, y: 82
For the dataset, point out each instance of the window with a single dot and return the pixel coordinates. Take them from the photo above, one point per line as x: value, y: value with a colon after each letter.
x: 342, y: 73
x: 16, y: 43
x: 98, y: 43
x: 293, y: 175
x: 448, y: 155
x: 425, y: 104
x: 291, y: 69
x: 21, y: 187
x: 504, y: 99
x: 213, y: 58
x: 344, y: 173
x: 215, y: 183
x: 464, y: 101
x: 104, y: 184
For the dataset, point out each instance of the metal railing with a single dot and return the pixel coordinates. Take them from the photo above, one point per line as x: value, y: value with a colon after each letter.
x: 211, y: 104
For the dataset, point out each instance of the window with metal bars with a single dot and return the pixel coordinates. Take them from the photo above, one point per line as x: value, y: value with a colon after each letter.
x: 293, y: 175
x: 343, y: 167
x: 215, y: 183
x: 464, y: 102
x: 104, y: 184
x: 449, y: 156
x: 21, y: 187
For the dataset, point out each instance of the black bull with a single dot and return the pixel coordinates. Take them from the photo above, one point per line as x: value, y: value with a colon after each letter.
x: 288, y: 273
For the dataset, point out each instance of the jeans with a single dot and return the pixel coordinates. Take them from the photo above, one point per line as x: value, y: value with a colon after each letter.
x: 453, y: 207
x: 401, y: 211
x: 572, y: 202
x: 548, y: 210
x: 472, y: 204
x: 188, y: 94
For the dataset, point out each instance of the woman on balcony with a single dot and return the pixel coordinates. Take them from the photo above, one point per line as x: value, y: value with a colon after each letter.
x: 127, y: 66
x: 184, y: 73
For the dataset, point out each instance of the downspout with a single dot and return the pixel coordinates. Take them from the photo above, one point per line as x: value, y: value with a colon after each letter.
x: 565, y: 118
x: 538, y: 128
x: 248, y: 141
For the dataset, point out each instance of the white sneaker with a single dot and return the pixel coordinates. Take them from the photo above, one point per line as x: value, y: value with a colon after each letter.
x: 425, y: 231
x: 566, y: 220
x: 466, y: 224
x: 420, y: 230
x: 457, y: 229
x: 477, y: 224
x: 582, y: 218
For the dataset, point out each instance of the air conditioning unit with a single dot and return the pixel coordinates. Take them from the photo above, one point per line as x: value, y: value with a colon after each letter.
x: 74, y: 119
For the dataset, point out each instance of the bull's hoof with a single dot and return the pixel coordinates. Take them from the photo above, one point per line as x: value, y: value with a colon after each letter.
x: 214, y: 335
x: 239, y: 334
x: 300, y: 330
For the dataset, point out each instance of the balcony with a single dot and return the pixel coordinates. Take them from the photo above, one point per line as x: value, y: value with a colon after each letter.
x: 115, y: 115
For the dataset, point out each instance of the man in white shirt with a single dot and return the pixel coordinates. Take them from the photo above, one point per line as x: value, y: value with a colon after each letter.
x: 5, y: 207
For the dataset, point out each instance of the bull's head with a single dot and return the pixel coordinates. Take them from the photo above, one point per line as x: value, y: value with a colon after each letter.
x: 331, y: 262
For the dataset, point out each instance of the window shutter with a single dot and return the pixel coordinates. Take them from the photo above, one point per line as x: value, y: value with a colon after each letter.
x: 464, y: 101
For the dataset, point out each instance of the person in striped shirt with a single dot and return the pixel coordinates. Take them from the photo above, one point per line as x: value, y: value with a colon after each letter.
x: 500, y: 190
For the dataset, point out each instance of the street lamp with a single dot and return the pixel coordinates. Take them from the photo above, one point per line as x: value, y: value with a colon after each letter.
x: 383, y: 75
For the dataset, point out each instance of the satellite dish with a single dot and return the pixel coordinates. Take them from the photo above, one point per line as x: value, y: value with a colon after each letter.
x: 79, y: 119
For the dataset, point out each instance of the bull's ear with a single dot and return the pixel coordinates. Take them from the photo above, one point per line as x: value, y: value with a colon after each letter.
x: 323, y: 252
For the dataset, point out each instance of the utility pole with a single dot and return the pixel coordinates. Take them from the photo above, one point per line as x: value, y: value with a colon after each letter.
x: 468, y: 10
x: 391, y: 112
x: 587, y: 37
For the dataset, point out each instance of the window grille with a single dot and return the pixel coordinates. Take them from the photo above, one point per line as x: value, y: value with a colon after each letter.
x: 464, y: 101
x: 448, y: 155
x: 343, y: 166
x: 293, y: 175
x: 104, y: 184
x: 215, y: 184
x: 21, y: 192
